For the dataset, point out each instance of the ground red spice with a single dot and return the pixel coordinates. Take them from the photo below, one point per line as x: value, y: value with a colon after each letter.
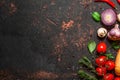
x: 67, y: 25
x: 12, y: 8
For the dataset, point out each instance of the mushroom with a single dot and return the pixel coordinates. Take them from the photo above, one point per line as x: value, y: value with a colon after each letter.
x: 101, y: 32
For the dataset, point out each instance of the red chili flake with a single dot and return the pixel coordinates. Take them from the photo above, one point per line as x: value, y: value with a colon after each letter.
x: 108, y: 2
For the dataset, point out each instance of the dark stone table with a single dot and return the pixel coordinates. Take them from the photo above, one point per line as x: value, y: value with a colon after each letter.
x: 44, y: 39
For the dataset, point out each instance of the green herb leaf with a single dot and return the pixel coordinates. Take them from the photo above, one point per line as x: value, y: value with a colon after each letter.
x: 110, y: 56
x: 87, y: 60
x: 86, y: 76
x: 91, y: 46
x: 115, y: 45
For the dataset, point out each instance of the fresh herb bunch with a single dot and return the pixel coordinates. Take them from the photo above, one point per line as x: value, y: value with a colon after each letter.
x: 86, y: 76
x: 85, y: 61
x: 90, y: 63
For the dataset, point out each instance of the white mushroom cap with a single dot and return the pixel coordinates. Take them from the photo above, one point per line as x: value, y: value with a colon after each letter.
x: 102, y: 32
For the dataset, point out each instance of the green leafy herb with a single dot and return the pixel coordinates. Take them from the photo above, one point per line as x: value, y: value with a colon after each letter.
x: 86, y: 76
x: 85, y: 61
x: 91, y: 46
x: 115, y: 45
x: 110, y: 56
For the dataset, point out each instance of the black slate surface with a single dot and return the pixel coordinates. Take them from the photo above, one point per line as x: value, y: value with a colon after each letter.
x: 44, y: 39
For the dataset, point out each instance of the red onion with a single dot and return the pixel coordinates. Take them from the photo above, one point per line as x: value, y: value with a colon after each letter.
x: 114, y: 34
x: 108, y: 17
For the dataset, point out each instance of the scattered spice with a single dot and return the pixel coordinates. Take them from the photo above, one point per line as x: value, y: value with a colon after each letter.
x: 44, y: 75
x: 66, y: 26
x: 12, y: 8
x: 53, y: 2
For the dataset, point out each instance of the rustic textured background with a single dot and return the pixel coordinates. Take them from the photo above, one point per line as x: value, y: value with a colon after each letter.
x: 44, y: 39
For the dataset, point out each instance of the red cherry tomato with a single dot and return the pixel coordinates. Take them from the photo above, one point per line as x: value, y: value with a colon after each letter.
x: 101, y: 71
x: 117, y: 78
x: 110, y: 65
x: 101, y: 47
x: 100, y: 61
x: 108, y: 76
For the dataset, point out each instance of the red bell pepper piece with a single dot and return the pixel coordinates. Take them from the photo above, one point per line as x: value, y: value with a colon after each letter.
x: 108, y: 2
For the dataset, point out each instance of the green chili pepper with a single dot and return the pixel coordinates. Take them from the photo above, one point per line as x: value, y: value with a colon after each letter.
x: 96, y: 16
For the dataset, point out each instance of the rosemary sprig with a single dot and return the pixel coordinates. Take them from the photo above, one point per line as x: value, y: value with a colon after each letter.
x: 86, y: 76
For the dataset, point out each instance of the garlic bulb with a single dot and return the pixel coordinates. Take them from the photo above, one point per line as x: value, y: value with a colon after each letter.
x: 114, y: 34
x: 101, y: 32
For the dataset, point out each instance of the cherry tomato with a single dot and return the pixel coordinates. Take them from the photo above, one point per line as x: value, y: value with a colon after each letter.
x: 110, y: 65
x: 117, y: 78
x: 108, y: 76
x: 101, y: 47
x: 101, y: 71
x: 100, y: 61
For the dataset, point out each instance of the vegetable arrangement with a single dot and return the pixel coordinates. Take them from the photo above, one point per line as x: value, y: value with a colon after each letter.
x: 103, y: 66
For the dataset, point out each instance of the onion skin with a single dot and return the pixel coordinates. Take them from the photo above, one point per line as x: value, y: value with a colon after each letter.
x: 114, y: 34
x: 117, y: 64
x: 108, y: 17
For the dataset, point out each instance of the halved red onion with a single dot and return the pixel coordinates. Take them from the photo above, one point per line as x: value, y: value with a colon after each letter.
x: 108, y: 17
